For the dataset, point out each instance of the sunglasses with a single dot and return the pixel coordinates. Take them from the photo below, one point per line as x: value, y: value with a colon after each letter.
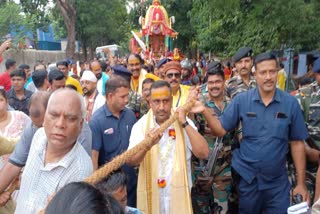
x: 176, y: 75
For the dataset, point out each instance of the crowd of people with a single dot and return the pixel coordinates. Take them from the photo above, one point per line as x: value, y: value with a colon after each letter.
x: 246, y: 145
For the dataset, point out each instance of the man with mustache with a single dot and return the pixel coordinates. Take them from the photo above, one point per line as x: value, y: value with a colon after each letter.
x: 271, y: 122
x: 166, y: 165
x: 18, y: 159
x: 172, y: 71
x: 56, y: 157
x: 111, y: 127
x: 243, y: 62
x: 134, y: 63
x: 216, y: 198
x: 101, y: 76
x: 93, y: 99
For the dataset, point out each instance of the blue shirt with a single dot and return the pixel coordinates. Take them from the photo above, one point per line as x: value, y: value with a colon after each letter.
x: 110, y: 137
x: 29, y: 80
x: 266, y: 131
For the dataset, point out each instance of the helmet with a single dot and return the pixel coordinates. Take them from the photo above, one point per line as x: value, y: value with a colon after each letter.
x: 186, y: 64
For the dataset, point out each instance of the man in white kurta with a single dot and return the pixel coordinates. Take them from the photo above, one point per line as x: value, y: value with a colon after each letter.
x: 137, y: 135
x: 164, y: 180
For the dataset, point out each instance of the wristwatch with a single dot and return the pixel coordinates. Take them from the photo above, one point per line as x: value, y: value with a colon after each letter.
x: 184, y: 125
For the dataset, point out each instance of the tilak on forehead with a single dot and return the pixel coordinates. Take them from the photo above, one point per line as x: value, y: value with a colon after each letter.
x: 134, y: 61
x: 156, y: 95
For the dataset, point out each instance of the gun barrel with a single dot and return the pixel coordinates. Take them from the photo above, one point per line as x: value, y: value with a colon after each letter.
x: 213, y: 155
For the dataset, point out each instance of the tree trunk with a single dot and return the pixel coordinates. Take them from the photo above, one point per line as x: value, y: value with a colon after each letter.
x: 85, y: 50
x: 68, y: 13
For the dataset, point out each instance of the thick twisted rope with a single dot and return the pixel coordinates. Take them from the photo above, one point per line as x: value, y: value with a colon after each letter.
x: 7, y: 145
x: 118, y: 161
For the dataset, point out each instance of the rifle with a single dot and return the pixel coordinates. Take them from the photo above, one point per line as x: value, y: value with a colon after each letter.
x: 205, y: 180
x: 203, y: 184
x: 213, y: 156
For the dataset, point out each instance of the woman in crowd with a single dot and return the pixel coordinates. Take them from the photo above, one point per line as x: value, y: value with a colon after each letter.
x: 82, y: 198
x: 12, y: 124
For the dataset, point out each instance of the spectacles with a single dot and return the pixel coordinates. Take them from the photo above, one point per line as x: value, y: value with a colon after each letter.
x: 176, y: 75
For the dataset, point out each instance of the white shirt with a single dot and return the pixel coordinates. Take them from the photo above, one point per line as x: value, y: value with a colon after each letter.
x: 39, y: 181
x: 98, y: 102
x: 137, y: 135
x: 100, y: 85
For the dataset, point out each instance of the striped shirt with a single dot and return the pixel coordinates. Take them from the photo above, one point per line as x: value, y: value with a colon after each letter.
x: 40, y: 181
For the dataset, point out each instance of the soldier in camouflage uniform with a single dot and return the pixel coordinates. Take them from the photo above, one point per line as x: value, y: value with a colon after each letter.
x: 244, y: 80
x: 309, y: 100
x: 216, y: 199
x: 134, y: 103
x: 140, y: 104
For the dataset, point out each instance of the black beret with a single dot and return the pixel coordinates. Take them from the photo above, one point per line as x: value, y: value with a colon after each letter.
x: 264, y: 56
x: 162, y: 62
x: 316, y: 66
x: 242, y: 53
x: 214, y: 66
x: 121, y: 71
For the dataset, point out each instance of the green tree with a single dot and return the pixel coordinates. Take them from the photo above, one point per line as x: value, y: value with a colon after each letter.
x: 12, y: 20
x: 108, y: 24
x: 225, y: 26
x: 36, y: 14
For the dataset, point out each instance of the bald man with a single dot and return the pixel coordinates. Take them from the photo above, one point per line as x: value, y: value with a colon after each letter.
x: 18, y: 159
x: 56, y: 157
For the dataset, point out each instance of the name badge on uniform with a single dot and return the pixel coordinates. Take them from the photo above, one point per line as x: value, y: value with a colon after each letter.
x: 108, y: 131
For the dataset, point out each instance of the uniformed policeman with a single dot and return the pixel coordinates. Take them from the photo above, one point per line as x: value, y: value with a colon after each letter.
x: 242, y: 82
x: 272, y: 121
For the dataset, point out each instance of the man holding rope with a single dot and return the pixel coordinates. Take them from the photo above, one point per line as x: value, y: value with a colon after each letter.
x: 56, y: 157
x: 164, y: 180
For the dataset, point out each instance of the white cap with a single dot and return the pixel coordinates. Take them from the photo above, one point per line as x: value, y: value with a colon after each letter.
x: 89, y: 76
